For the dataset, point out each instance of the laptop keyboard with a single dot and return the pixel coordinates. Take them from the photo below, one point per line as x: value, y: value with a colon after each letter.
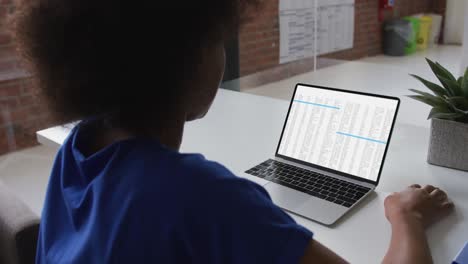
x: 313, y: 183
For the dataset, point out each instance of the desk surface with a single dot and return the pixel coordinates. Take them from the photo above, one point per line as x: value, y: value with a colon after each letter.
x: 241, y: 130
x: 364, y: 77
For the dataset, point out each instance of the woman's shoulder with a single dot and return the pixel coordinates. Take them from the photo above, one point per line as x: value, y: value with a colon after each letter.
x: 211, y: 173
x: 207, y: 179
x: 214, y: 183
x: 191, y: 172
x: 198, y: 165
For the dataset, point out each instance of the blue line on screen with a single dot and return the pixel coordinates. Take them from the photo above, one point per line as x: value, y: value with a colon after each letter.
x: 321, y: 105
x: 359, y: 137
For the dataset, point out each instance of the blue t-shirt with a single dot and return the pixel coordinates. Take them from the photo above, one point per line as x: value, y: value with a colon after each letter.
x: 136, y: 201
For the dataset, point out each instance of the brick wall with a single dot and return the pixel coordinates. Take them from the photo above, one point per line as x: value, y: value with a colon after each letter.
x: 6, y: 6
x: 259, y: 39
x: 22, y: 113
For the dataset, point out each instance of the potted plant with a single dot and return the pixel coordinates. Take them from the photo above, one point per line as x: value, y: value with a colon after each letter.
x: 448, y: 144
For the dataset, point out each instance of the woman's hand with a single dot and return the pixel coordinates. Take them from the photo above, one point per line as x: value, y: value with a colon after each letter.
x: 424, y: 205
x: 409, y: 212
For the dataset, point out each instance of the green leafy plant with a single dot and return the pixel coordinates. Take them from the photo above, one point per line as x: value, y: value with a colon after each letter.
x: 448, y: 100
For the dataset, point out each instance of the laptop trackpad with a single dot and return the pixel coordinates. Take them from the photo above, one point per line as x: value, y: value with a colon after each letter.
x: 304, y: 204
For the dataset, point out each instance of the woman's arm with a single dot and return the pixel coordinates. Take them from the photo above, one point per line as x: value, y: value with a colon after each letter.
x: 408, y: 244
x: 318, y: 253
x: 409, y: 213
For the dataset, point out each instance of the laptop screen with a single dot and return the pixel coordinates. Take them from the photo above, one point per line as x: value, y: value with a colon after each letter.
x: 339, y: 130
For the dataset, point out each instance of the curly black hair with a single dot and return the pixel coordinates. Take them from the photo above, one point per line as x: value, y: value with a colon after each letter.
x: 124, y: 59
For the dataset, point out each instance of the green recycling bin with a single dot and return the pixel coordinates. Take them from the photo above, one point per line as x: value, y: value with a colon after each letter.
x: 412, y: 44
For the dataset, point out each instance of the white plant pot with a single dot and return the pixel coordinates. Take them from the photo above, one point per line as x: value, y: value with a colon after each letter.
x: 448, y: 146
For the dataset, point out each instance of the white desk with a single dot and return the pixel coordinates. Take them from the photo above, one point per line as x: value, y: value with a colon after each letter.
x: 364, y: 77
x: 242, y: 130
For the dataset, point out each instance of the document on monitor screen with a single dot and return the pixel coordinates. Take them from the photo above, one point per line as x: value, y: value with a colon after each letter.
x: 347, y: 132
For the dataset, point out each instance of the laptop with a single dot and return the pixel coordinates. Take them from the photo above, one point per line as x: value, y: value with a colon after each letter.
x: 331, y: 151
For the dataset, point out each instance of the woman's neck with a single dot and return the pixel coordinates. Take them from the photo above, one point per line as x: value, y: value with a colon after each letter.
x: 168, y: 134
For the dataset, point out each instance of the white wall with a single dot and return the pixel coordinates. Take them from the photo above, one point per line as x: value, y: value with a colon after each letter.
x: 454, y: 21
x: 464, y: 60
